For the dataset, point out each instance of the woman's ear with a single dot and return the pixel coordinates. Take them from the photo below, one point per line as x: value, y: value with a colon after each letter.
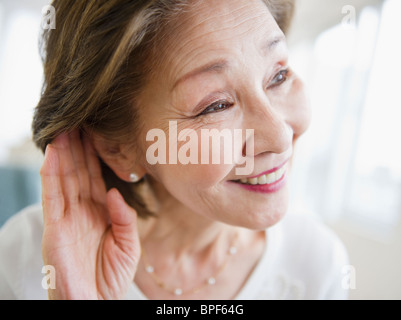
x: 121, y: 158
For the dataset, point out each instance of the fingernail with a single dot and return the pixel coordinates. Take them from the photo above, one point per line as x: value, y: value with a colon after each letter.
x: 118, y: 194
x: 47, y: 148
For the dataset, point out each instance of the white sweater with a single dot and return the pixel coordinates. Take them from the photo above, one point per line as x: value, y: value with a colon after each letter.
x: 303, y: 259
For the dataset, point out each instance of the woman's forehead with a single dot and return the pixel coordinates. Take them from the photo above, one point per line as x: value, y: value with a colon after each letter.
x: 213, y: 30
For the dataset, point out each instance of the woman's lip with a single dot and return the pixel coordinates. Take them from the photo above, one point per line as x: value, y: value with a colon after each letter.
x: 267, y: 188
x: 269, y: 171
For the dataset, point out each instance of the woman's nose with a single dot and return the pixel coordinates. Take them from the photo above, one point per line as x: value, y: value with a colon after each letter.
x: 272, y: 133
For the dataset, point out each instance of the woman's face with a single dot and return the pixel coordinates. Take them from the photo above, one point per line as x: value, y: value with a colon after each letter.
x: 225, y: 67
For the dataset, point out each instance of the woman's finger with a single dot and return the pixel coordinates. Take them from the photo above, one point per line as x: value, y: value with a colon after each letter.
x: 68, y: 174
x: 123, y: 224
x: 97, y: 185
x: 78, y: 156
x: 52, y: 193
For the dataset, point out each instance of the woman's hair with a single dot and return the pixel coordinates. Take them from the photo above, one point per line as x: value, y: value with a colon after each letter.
x: 95, y: 63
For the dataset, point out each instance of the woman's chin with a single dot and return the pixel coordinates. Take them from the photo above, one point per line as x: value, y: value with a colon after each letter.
x: 265, y: 220
x: 262, y: 211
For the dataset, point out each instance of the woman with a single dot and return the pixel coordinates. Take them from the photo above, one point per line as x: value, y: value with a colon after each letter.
x: 117, y: 70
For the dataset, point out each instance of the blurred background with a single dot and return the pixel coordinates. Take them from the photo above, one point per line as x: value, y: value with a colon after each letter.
x: 347, y: 169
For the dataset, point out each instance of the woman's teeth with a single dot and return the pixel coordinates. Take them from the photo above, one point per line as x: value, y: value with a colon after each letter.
x: 265, y: 179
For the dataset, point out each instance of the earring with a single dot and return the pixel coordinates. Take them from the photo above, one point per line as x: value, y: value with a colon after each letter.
x: 133, y: 178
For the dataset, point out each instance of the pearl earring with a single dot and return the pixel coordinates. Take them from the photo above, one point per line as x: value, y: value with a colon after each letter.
x: 133, y: 178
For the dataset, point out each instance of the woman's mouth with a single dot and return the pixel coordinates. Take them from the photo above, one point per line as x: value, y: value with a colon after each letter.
x: 264, y: 179
x: 268, y: 182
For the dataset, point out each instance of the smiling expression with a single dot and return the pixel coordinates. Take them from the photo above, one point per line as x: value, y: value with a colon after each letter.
x: 227, y: 68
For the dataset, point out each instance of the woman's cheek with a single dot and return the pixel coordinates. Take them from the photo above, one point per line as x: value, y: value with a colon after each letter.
x: 197, y: 154
x: 200, y: 176
x: 205, y: 156
x: 195, y: 175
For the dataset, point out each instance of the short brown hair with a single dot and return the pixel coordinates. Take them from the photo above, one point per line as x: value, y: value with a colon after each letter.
x: 95, y: 64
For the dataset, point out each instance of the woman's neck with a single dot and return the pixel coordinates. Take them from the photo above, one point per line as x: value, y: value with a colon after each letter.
x: 179, y: 230
x: 183, y: 232
x: 185, y: 249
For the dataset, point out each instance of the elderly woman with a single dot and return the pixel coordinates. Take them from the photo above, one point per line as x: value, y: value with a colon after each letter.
x: 120, y: 219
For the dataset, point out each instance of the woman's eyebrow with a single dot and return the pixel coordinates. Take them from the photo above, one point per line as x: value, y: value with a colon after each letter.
x: 212, y: 67
x: 272, y: 43
x: 220, y: 65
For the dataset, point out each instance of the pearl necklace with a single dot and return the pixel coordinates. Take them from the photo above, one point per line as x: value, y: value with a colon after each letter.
x: 210, y: 281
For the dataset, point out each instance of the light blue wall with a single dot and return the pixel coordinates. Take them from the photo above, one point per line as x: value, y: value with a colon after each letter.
x: 19, y: 187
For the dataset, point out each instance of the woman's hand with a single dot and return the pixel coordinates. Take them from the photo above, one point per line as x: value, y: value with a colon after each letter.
x: 90, y: 235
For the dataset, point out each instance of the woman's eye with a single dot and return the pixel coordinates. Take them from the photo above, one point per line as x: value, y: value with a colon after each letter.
x: 216, y: 107
x: 279, y: 78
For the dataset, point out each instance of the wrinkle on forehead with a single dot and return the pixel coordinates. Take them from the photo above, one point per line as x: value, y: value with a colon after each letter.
x: 204, y: 29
